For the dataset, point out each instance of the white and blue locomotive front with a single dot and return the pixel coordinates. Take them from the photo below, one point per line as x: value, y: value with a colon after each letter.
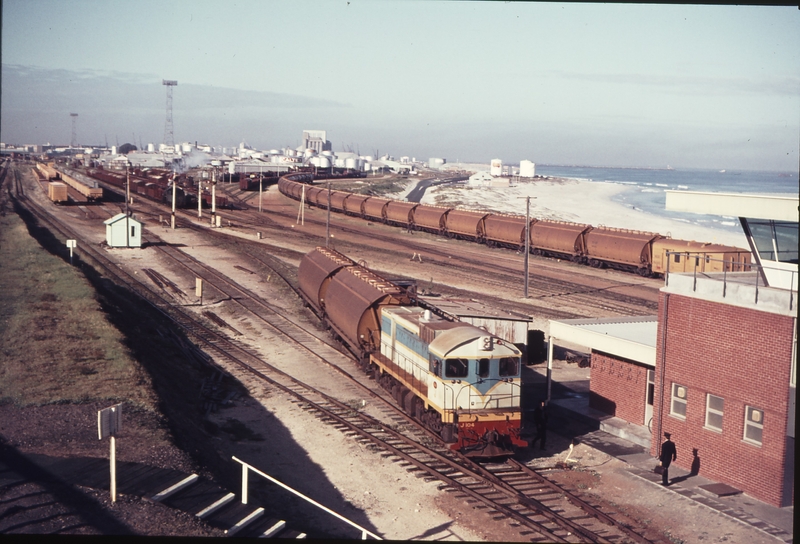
x: 457, y: 378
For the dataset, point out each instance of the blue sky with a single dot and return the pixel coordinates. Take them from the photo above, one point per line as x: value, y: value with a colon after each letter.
x: 590, y: 84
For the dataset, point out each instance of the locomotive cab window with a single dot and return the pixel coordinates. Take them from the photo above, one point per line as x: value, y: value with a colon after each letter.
x: 456, y: 368
x: 509, y: 366
x: 436, y: 366
x: 483, y: 368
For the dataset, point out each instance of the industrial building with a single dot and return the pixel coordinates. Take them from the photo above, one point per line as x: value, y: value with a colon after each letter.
x: 316, y: 140
x: 716, y: 367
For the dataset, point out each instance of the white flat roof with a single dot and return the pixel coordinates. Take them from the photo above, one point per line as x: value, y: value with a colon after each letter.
x: 632, y: 338
x: 781, y: 207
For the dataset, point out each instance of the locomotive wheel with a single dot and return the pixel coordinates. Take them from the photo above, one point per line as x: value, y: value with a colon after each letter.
x: 419, y: 408
x: 434, y: 421
x: 448, y: 433
x: 408, y: 403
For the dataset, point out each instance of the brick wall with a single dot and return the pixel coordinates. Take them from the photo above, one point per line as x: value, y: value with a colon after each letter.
x: 743, y: 356
x: 618, y: 387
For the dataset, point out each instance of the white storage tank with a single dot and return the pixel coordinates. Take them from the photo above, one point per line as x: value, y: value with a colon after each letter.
x: 113, y: 150
x: 151, y: 148
x: 496, y: 168
x: 350, y: 163
x: 339, y: 163
x: 527, y: 169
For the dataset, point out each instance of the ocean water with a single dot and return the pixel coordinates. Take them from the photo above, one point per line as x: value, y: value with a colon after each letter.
x: 644, y: 188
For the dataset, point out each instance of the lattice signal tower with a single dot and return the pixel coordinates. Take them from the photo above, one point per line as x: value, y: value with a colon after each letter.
x: 74, y: 141
x: 169, y: 136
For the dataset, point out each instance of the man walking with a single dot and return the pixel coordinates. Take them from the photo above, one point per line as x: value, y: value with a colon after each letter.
x: 668, y: 455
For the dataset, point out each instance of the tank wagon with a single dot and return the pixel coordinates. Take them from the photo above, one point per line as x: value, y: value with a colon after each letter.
x: 457, y: 379
x: 643, y: 253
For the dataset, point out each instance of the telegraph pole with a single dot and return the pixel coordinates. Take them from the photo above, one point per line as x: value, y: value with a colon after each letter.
x: 527, y: 238
x: 328, y: 222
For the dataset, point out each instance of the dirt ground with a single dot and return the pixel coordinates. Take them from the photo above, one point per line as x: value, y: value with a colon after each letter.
x: 277, y: 436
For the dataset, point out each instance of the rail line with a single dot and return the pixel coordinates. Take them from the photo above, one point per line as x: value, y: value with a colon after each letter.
x: 578, y: 524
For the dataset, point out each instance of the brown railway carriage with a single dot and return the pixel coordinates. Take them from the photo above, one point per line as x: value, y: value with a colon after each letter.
x: 464, y: 224
x: 354, y: 205
x: 374, y: 208
x: 430, y: 218
x: 400, y: 213
x: 698, y: 256
x: 315, y: 195
x: 338, y: 199
x: 503, y: 230
x: 558, y: 238
x: 620, y: 248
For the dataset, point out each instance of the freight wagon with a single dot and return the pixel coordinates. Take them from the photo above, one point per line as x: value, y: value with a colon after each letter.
x: 623, y: 249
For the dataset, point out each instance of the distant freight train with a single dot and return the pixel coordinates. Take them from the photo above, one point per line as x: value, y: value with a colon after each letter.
x: 644, y: 253
x: 457, y: 379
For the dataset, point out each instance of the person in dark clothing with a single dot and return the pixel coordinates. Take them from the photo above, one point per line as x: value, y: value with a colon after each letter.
x: 540, y: 419
x: 668, y: 455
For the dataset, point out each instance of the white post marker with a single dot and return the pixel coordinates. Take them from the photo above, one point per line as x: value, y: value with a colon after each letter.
x: 109, y: 423
x: 198, y: 289
x: 71, y: 244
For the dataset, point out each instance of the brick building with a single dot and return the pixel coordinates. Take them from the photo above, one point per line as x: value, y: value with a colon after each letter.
x: 722, y: 375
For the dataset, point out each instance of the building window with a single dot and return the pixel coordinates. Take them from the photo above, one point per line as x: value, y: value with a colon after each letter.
x: 714, y: 409
x: 753, y: 424
x: 678, y: 406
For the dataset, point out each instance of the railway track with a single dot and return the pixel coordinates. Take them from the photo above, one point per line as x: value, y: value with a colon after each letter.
x: 427, y: 458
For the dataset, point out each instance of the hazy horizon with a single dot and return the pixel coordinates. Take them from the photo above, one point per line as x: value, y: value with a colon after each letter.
x: 612, y: 85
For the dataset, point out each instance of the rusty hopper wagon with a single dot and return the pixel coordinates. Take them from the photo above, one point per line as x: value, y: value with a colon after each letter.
x: 620, y: 248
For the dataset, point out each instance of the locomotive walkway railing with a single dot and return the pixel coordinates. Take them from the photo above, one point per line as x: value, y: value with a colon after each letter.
x: 246, y: 468
x: 748, y: 275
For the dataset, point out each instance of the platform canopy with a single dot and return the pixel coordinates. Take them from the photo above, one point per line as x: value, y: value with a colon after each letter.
x: 632, y: 338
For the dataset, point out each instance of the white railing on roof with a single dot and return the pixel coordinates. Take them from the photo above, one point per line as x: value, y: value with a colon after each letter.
x: 737, y: 268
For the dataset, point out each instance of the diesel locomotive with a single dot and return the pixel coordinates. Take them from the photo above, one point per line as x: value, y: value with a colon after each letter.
x: 460, y: 381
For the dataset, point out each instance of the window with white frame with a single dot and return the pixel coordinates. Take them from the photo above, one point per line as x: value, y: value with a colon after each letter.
x: 753, y: 424
x: 714, y: 410
x: 678, y: 405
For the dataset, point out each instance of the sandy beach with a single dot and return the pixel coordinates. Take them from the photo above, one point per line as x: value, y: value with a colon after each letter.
x: 578, y: 201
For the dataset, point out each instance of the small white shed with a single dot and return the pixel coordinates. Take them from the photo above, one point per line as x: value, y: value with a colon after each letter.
x: 123, y: 231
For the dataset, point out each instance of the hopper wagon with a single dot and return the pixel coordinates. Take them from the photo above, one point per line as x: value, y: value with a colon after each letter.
x: 374, y: 208
x: 559, y: 239
x: 464, y: 224
x: 622, y: 249
x: 430, y: 218
x: 400, y: 213
x: 503, y: 231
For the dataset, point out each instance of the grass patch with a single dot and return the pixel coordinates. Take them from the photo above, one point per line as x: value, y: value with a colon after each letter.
x: 57, y: 344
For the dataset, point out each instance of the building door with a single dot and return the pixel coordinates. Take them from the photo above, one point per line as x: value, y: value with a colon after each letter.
x: 649, y: 397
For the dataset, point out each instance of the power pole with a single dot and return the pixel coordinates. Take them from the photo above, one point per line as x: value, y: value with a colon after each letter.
x: 169, y: 136
x: 74, y: 141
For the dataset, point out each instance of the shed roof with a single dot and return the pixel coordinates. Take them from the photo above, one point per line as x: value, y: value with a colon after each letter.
x: 118, y: 217
x: 632, y: 338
